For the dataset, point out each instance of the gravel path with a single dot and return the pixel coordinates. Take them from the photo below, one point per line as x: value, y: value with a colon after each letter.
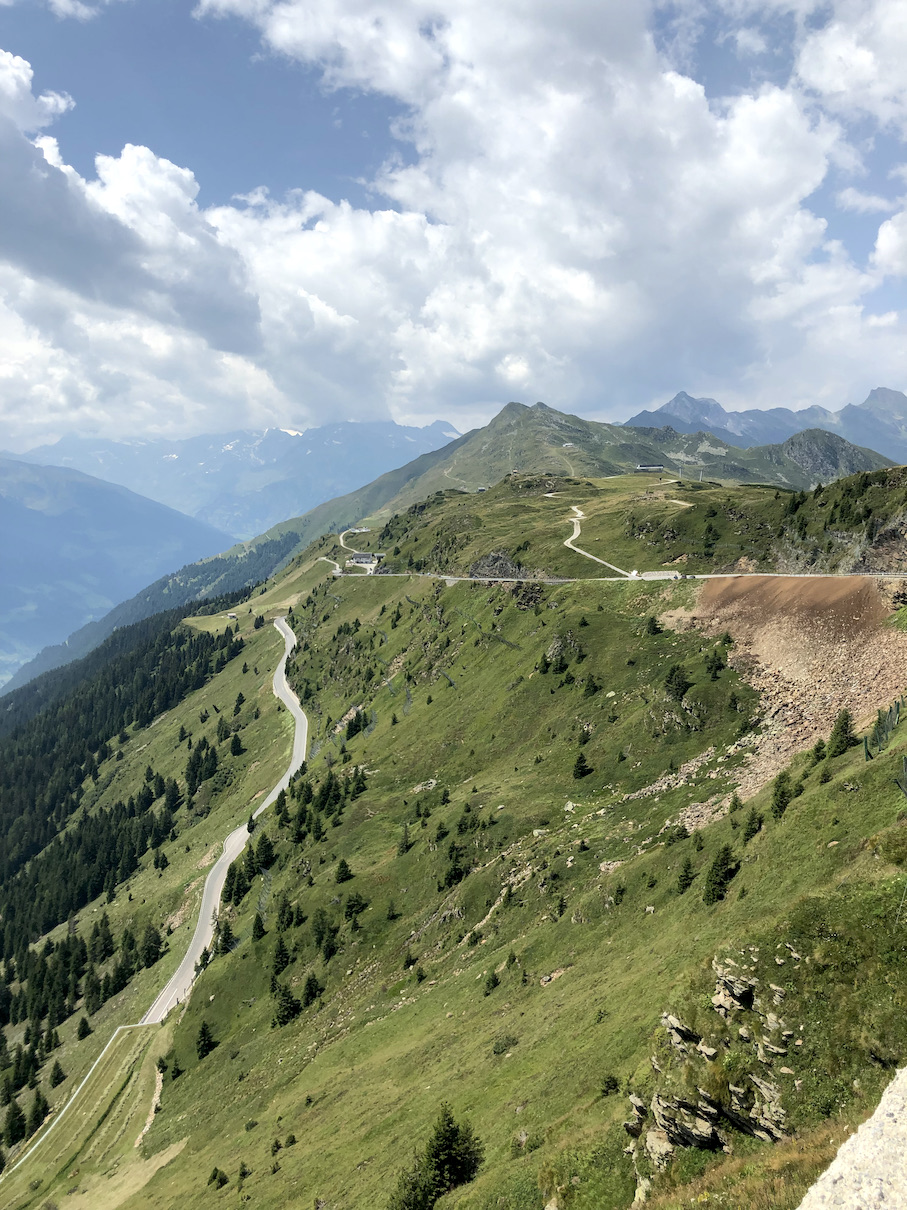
x: 870, y: 1169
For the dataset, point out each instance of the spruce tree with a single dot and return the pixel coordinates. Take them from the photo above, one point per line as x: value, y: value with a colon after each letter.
x: 343, y: 872
x: 15, y: 1124
x: 226, y: 938
x: 150, y: 946
x: 686, y: 876
x: 752, y: 826
x: 57, y: 1074
x: 451, y: 1158
x: 782, y: 793
x: 281, y: 957
x: 258, y: 927
x: 204, y: 1042
x: 404, y: 845
x: 842, y: 736
x: 286, y: 1006
x: 677, y: 682
x: 311, y: 991
x: 84, y: 1028
x: 38, y: 1112
x: 581, y: 767
x: 264, y: 851
x: 720, y: 873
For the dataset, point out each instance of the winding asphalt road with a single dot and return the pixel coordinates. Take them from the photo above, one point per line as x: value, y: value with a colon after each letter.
x: 180, y: 983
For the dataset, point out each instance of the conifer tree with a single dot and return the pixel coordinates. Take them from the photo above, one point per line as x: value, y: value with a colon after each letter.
x: 38, y: 1112
x: 226, y: 938
x: 204, y: 1042
x: 677, y: 682
x: 343, y: 872
x: 258, y: 927
x: 581, y: 768
x: 720, y: 873
x: 782, y: 793
x: 842, y: 736
x: 686, y: 876
x: 286, y: 1006
x: 264, y: 851
x: 752, y: 826
x: 452, y: 1157
x: 311, y: 991
x: 404, y: 846
x: 281, y: 957
x: 150, y: 946
x: 14, y: 1126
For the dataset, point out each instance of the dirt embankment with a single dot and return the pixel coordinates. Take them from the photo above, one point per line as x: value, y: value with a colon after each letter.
x: 810, y: 646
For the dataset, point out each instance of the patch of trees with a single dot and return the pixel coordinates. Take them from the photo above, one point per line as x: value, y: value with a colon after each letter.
x: 95, y: 856
x: 42, y: 990
x: 44, y: 763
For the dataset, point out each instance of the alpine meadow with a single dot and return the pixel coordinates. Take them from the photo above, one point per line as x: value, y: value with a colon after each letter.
x: 576, y: 893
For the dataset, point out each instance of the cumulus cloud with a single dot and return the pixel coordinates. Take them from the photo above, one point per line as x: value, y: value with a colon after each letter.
x: 864, y: 203
x: 577, y: 220
x: 18, y: 104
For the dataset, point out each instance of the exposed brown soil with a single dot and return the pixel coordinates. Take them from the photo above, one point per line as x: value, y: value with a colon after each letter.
x: 811, y: 646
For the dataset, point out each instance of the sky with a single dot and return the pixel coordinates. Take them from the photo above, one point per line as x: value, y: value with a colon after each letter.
x: 246, y: 213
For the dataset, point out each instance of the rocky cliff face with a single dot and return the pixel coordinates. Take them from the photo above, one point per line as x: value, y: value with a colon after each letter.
x: 718, y: 1077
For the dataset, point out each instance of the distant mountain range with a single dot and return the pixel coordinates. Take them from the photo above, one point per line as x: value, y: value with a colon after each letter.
x: 879, y: 422
x: 520, y: 438
x: 73, y: 546
x: 244, y: 482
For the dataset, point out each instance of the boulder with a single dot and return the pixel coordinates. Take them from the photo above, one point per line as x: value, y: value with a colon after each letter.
x: 659, y: 1147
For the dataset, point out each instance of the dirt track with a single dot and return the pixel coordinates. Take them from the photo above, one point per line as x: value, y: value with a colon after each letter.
x: 810, y: 647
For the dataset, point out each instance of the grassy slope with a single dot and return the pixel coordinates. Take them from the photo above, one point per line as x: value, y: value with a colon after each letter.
x: 540, y: 440
x: 383, y: 1049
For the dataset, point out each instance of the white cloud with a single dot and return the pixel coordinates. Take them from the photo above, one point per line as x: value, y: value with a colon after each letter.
x: 891, y: 246
x: 580, y: 222
x: 18, y: 104
x: 750, y: 42
x: 855, y: 62
x: 864, y: 203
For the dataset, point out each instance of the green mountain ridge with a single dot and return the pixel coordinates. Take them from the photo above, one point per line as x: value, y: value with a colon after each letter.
x: 514, y: 849
x: 529, y: 440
